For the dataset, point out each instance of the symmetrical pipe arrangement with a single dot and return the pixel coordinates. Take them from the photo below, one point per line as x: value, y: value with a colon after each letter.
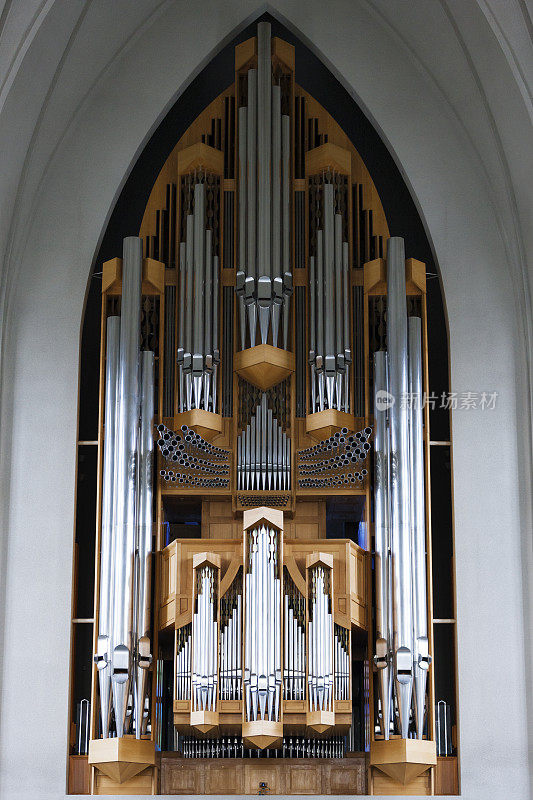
x: 262, y: 645
x: 294, y: 641
x: 402, y: 651
x: 233, y: 747
x: 204, y: 677
x: 264, y: 278
x: 198, y: 353
x: 231, y: 643
x: 329, y: 313
x: 123, y: 648
x: 320, y: 627
x: 263, y: 453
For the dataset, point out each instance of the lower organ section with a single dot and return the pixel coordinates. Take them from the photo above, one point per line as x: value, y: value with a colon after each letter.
x: 262, y: 655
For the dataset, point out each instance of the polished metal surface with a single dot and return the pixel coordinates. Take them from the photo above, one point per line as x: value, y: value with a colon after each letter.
x: 421, y: 657
x: 105, y: 615
x: 126, y: 469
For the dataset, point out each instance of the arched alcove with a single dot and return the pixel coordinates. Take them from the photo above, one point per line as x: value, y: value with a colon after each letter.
x: 402, y: 218
x: 99, y: 135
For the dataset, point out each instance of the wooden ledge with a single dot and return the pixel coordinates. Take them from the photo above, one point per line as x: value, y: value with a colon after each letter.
x: 204, y: 721
x: 262, y: 734
x: 121, y: 758
x: 153, y: 277
x: 264, y: 366
x: 325, y: 423
x: 207, y: 424
x: 403, y: 759
x: 320, y: 721
x: 255, y: 516
x: 328, y: 156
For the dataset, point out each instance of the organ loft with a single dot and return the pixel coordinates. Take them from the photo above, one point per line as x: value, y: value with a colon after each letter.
x: 263, y: 599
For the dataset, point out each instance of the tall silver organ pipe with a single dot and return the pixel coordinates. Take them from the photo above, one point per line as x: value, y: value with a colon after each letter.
x: 399, y: 487
x: 263, y: 453
x: 126, y: 463
x: 421, y: 657
x: 262, y: 654
x: 205, y: 641
x: 103, y: 654
x: 320, y: 628
x: 143, y: 654
x: 264, y: 280
x: 198, y: 351
x: 399, y: 511
x: 382, y: 541
x: 330, y: 352
x: 123, y: 648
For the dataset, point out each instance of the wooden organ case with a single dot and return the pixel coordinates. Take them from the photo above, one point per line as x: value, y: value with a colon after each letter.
x: 265, y: 653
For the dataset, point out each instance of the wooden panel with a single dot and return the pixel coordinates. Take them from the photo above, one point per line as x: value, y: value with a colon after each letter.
x: 223, y: 778
x: 79, y: 775
x: 141, y: 784
x: 304, y: 779
x: 446, y: 776
x: 262, y: 771
x: 182, y: 776
x: 298, y: 776
x: 345, y: 777
x: 383, y: 785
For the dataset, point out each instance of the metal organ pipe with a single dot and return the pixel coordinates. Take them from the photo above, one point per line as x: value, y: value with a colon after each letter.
x: 264, y: 280
x: 143, y: 655
x: 320, y: 637
x: 262, y: 588
x: 421, y: 657
x: 399, y: 494
x: 126, y: 476
x: 329, y: 352
x: 103, y: 654
x: 382, y: 540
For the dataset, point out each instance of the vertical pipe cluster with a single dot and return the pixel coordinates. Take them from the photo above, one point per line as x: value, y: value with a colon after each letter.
x: 262, y: 650
x: 329, y: 312
x: 123, y: 647
x: 231, y: 643
x: 198, y: 353
x: 320, y: 638
x: 402, y: 650
x: 263, y: 452
x: 204, y: 677
x: 183, y: 663
x: 293, y: 642
x: 264, y: 278
x: 342, y: 663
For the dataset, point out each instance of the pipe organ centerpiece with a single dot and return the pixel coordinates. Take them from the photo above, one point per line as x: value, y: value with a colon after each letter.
x: 265, y: 443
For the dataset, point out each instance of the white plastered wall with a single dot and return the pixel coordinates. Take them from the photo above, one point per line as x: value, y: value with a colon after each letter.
x: 50, y: 258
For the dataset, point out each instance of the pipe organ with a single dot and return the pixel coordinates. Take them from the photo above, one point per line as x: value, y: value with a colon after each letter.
x: 263, y: 550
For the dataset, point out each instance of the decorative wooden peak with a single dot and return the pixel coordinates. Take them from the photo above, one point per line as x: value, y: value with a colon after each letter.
x: 325, y: 423
x: 207, y: 424
x: 121, y: 758
x: 264, y: 366
x: 262, y: 734
x: 403, y: 759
